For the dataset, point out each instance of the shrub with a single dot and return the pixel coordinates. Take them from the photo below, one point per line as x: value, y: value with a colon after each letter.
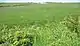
x: 72, y: 23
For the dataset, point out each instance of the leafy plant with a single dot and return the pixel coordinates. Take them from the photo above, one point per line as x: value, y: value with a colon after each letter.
x: 72, y: 23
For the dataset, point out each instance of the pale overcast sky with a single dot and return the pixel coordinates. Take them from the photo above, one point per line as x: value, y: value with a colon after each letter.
x: 39, y: 0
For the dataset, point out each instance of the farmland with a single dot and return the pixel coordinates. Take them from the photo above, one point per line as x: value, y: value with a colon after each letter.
x: 54, y: 24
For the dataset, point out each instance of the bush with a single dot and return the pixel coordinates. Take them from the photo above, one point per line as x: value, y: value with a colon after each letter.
x: 72, y: 23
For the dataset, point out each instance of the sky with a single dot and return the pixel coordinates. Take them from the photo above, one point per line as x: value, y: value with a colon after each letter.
x: 39, y: 0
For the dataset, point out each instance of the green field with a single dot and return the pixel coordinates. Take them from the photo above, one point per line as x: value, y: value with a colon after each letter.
x: 55, y: 24
x: 36, y: 12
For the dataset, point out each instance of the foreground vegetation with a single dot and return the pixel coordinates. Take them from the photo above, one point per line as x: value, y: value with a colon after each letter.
x: 46, y: 33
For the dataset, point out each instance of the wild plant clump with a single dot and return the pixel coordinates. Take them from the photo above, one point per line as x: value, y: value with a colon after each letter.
x: 15, y: 36
x: 72, y: 22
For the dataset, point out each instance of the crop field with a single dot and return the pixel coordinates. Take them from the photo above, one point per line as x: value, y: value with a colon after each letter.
x: 54, y: 24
